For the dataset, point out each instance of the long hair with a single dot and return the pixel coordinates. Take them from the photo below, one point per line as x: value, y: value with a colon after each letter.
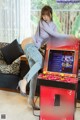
x: 46, y: 10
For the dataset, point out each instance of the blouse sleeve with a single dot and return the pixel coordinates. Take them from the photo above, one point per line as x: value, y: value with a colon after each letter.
x: 45, y: 26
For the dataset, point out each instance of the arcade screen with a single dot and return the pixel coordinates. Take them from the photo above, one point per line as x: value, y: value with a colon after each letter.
x: 61, y: 61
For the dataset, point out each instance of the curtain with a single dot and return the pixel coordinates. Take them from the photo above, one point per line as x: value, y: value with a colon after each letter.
x: 14, y: 20
x: 25, y: 19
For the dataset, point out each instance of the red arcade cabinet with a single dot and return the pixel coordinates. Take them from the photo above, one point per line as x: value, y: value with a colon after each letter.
x: 58, y: 82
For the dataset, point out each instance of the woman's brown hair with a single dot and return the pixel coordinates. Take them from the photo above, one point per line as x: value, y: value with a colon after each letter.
x: 46, y: 10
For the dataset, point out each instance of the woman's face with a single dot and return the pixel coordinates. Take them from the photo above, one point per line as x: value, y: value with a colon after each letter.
x: 46, y: 18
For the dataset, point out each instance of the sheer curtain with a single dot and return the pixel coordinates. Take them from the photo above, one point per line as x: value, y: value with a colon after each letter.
x: 25, y: 14
x: 14, y: 20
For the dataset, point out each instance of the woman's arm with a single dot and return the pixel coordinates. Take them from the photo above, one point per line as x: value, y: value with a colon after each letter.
x: 45, y: 26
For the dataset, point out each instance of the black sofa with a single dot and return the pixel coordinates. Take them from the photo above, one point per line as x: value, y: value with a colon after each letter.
x: 9, y: 74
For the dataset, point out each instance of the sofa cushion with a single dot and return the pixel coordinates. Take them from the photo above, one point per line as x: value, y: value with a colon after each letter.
x: 2, y: 44
x: 1, y: 56
x: 12, y: 51
x: 14, y: 68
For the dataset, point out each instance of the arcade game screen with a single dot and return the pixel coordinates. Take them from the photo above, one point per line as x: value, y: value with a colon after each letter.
x: 60, y: 61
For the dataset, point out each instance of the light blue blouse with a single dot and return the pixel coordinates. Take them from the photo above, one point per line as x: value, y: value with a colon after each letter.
x: 45, y: 31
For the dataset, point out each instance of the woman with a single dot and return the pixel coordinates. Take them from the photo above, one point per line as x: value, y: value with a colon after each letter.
x: 45, y: 30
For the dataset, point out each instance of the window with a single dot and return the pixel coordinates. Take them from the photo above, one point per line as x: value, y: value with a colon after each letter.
x: 19, y: 18
x: 66, y: 16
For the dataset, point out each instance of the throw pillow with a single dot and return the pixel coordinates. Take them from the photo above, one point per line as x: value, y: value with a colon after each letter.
x: 12, y: 51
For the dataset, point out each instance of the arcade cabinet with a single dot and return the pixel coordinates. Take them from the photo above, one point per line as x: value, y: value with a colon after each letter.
x: 58, y: 82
